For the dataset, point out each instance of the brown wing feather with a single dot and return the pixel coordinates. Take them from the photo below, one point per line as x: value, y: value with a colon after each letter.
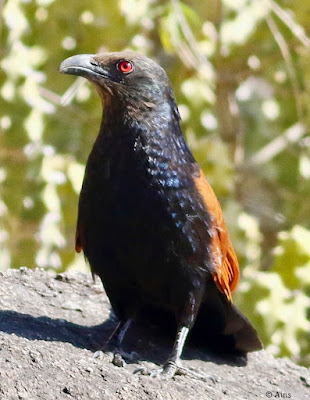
x: 78, y: 244
x: 226, y: 275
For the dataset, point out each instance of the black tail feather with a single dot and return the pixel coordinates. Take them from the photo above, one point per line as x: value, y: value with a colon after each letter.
x: 222, y: 327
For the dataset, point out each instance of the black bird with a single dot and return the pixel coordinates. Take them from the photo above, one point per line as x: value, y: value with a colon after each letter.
x: 149, y: 223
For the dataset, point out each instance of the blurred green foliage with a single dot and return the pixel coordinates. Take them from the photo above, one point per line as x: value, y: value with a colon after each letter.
x: 241, y: 72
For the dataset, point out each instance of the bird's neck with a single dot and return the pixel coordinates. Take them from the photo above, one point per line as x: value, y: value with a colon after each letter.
x: 128, y: 116
x: 144, y: 123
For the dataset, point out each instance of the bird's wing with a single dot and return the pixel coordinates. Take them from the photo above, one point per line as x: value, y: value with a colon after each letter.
x: 78, y: 244
x: 226, y: 272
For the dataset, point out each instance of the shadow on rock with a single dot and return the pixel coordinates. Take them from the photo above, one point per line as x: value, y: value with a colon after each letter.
x: 52, y: 329
x: 148, y: 341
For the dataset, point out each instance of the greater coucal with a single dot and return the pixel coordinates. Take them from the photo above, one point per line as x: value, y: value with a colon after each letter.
x: 149, y: 223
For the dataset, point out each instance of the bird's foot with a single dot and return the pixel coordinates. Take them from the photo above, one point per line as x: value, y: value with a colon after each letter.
x: 120, y: 357
x: 171, y: 369
x: 118, y: 360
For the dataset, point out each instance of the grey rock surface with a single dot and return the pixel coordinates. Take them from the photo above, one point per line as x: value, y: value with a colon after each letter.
x: 51, y: 326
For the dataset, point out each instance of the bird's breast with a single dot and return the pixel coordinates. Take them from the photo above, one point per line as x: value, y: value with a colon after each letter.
x: 139, y: 213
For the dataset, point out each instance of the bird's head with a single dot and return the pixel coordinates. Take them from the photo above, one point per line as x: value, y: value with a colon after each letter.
x: 129, y: 78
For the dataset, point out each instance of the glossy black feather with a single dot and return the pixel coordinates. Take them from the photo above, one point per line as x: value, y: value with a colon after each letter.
x: 140, y: 214
x: 142, y: 223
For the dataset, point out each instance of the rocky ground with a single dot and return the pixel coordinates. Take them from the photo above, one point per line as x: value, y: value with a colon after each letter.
x: 51, y: 326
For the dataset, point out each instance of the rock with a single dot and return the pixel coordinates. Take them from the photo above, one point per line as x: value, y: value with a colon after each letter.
x: 51, y: 326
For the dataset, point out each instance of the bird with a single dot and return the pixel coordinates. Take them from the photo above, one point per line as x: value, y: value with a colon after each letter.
x: 148, y: 222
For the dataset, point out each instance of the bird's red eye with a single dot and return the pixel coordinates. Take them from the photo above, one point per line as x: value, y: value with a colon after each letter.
x: 125, y: 67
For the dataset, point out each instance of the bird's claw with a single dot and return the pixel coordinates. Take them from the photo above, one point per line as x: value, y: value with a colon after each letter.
x: 196, y: 375
x: 132, y: 356
x: 167, y: 371
x: 118, y: 360
x: 119, y: 356
x: 153, y: 373
x: 171, y: 369
x: 98, y: 354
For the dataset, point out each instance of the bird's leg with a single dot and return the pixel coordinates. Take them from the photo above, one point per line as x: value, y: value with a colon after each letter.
x: 118, y: 334
x: 173, y: 365
x: 115, y: 342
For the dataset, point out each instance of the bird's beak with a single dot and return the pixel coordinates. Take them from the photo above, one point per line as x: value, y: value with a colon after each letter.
x: 83, y: 65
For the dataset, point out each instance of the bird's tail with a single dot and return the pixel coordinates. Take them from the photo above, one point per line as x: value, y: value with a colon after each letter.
x: 222, y: 327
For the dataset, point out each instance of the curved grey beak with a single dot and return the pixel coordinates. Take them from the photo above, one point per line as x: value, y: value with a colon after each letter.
x: 85, y: 65
x: 81, y: 65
